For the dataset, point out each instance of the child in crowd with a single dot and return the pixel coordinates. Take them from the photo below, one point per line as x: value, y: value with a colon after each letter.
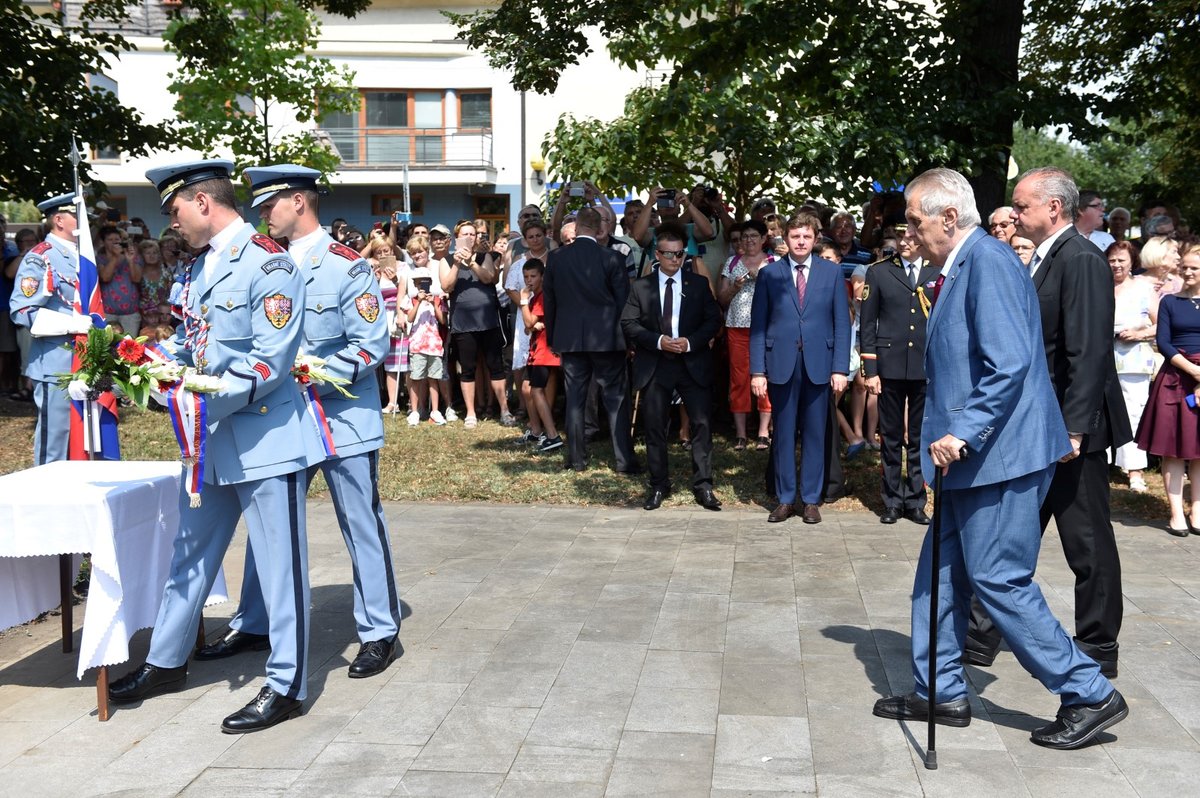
x: 384, y: 265
x: 426, y: 348
x: 542, y: 368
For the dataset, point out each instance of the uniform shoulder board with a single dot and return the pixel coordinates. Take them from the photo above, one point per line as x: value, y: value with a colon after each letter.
x: 267, y: 243
x: 359, y: 268
x: 344, y: 251
x: 41, y: 248
x: 278, y: 263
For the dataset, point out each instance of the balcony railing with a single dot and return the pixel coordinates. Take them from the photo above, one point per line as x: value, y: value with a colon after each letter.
x: 143, y: 17
x: 385, y: 148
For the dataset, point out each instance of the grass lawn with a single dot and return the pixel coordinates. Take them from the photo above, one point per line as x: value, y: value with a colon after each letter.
x: 451, y: 463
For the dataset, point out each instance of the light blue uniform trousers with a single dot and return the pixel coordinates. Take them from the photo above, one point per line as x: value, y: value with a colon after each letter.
x: 991, y: 536
x: 354, y: 485
x: 274, y: 513
x: 53, y: 423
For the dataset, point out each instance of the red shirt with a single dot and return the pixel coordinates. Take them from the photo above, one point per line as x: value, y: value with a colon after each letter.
x: 539, y: 352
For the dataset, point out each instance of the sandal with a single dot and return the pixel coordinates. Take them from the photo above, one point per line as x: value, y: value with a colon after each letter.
x: 763, y: 444
x: 471, y: 422
x: 739, y: 444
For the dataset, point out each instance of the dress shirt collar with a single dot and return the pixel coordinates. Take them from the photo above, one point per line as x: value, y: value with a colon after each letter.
x: 590, y: 238
x: 300, y: 247
x: 805, y: 265
x: 954, y: 255
x: 1043, y: 249
x: 662, y: 280
x: 65, y: 243
x: 223, y: 239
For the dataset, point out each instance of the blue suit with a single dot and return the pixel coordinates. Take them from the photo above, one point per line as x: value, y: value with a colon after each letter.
x: 344, y: 325
x: 260, y: 443
x: 989, y: 386
x: 48, y: 355
x: 799, y: 349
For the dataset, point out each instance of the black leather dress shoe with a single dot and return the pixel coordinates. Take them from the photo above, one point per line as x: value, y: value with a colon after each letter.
x: 234, y: 642
x: 979, y: 652
x: 655, y: 498
x: 631, y: 470
x: 145, y: 682
x: 707, y: 499
x: 890, y: 515
x: 1077, y: 726
x: 912, y: 707
x: 781, y: 513
x: 373, y: 658
x: 917, y: 516
x: 268, y: 709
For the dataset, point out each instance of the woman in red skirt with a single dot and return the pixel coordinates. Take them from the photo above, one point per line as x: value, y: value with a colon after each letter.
x: 1170, y: 426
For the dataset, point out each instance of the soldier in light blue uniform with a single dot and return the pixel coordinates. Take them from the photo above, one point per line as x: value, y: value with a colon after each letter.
x: 48, y: 355
x: 243, y: 307
x: 344, y: 325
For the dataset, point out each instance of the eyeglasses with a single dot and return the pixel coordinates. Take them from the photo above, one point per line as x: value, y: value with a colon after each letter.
x: 671, y: 253
x: 1002, y: 224
x: 750, y: 236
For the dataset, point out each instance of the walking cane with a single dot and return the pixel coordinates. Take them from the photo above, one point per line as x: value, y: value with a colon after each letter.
x: 935, y: 530
x: 935, y: 561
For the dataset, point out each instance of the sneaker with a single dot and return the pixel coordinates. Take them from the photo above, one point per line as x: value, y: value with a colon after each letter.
x: 508, y: 420
x: 1137, y: 484
x: 437, y: 418
x: 451, y: 415
x: 527, y: 437
x: 414, y: 418
x: 539, y: 439
x: 550, y: 444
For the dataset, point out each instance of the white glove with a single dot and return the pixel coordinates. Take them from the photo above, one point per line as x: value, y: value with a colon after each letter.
x: 48, y: 323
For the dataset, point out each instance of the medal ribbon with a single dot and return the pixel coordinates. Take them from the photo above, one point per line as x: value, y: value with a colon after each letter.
x: 189, y: 419
x: 317, y: 413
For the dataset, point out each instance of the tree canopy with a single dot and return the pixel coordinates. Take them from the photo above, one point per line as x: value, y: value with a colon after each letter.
x: 46, y: 100
x: 835, y: 94
x: 244, y: 70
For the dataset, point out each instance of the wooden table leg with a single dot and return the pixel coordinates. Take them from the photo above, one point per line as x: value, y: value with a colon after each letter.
x: 66, y: 581
x: 200, y: 640
x: 102, y: 692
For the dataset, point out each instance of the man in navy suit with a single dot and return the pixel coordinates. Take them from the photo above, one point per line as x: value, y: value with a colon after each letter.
x: 993, y: 425
x: 799, y: 349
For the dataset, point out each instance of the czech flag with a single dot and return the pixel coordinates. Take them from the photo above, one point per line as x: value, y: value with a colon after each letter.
x: 101, y: 441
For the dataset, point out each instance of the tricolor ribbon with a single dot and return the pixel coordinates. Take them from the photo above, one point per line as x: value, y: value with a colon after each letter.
x: 189, y: 419
x: 317, y: 413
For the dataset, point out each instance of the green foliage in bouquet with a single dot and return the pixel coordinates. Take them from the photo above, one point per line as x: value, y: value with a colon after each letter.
x: 107, y: 361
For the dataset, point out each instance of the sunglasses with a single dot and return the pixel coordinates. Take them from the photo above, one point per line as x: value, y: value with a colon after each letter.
x: 671, y: 253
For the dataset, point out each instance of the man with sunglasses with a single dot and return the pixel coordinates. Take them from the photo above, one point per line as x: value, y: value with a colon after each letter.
x: 1089, y: 219
x: 669, y: 321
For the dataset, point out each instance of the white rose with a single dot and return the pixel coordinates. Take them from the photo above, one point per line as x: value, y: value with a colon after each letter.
x: 135, y: 379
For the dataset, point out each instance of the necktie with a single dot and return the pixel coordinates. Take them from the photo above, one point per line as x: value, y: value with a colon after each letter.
x: 801, y: 285
x: 668, y: 309
x: 1033, y: 264
x: 912, y: 275
x: 937, y: 287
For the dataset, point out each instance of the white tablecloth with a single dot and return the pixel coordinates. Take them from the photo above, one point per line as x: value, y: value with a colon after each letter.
x: 126, y: 513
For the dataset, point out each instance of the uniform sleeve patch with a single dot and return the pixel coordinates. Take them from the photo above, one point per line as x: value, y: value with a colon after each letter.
x: 366, y: 356
x: 41, y: 248
x: 359, y: 268
x: 866, y: 291
x: 267, y: 243
x: 344, y: 251
x: 29, y: 286
x: 263, y: 370
x: 368, y: 306
x: 278, y: 309
x: 277, y: 264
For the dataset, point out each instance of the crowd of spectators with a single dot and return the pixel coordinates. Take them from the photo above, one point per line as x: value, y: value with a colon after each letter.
x: 465, y: 318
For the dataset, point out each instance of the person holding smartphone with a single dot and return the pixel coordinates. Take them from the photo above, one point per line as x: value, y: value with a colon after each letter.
x: 673, y: 205
x: 120, y: 271
x: 470, y: 279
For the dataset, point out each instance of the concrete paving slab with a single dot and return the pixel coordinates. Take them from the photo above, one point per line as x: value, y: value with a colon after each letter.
x: 560, y: 651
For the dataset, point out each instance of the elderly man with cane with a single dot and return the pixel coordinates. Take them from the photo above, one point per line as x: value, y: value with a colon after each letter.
x: 989, y: 397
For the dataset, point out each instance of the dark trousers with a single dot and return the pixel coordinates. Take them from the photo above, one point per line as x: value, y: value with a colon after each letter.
x: 1078, y: 502
x: 902, y: 492
x: 671, y: 376
x: 608, y: 368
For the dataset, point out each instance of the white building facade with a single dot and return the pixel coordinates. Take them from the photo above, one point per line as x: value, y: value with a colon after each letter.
x: 426, y: 102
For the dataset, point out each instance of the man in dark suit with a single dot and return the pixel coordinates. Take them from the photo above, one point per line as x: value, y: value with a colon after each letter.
x: 585, y: 289
x: 896, y: 301
x: 992, y: 426
x: 669, y: 320
x: 799, y: 349
x: 1075, y: 291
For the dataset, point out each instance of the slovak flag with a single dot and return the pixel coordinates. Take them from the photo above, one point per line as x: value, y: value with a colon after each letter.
x: 101, y: 441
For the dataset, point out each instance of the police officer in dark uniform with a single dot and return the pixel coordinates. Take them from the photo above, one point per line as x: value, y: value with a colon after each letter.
x: 895, y: 306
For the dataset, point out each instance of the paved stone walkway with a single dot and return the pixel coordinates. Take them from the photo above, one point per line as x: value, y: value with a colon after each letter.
x: 555, y: 651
